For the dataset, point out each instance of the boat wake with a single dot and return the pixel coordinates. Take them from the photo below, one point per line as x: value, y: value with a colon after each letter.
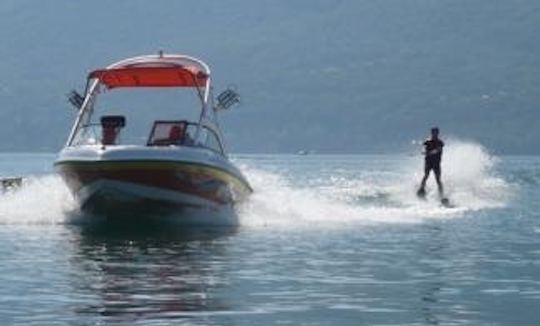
x: 313, y: 190
x: 373, y: 195
x: 39, y: 200
x: 47, y: 200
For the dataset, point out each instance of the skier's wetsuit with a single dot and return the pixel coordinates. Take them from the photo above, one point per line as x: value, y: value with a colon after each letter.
x: 433, y: 155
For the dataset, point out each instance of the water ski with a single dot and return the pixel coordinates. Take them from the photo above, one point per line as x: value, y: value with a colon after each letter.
x: 445, y: 202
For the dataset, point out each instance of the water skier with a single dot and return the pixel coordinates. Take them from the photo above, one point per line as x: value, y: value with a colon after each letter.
x: 433, y: 149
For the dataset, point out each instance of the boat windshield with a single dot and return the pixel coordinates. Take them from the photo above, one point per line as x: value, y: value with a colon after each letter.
x: 163, y: 133
x: 183, y: 133
x: 166, y: 133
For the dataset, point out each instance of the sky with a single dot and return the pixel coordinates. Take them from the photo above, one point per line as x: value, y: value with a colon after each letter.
x: 350, y: 76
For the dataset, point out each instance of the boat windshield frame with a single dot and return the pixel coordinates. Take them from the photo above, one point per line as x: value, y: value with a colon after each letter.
x: 185, y: 136
x: 195, y: 67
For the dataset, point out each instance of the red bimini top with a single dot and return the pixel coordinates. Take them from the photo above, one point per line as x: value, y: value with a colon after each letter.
x: 154, y: 71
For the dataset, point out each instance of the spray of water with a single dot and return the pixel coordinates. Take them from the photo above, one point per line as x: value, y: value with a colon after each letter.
x: 470, y: 181
x: 469, y: 176
x: 344, y: 196
x: 40, y: 200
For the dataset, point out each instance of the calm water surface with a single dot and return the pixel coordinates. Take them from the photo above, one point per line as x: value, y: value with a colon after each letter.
x: 325, y: 240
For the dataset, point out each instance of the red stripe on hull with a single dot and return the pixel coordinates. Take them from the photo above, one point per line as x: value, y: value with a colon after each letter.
x: 202, y: 182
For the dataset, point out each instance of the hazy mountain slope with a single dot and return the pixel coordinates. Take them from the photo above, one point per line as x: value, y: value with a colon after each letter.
x: 339, y: 76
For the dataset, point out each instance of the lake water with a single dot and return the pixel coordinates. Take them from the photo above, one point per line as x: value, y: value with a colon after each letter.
x: 324, y: 240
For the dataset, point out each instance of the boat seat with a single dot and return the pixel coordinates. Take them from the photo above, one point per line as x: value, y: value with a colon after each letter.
x: 110, y: 128
x: 175, y: 134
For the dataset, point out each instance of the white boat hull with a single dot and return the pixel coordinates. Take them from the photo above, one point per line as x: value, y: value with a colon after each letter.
x: 138, y: 180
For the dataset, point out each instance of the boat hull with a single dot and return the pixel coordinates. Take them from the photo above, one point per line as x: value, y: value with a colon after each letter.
x: 130, y: 181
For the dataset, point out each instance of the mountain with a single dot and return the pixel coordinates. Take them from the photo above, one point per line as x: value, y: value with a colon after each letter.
x: 350, y: 76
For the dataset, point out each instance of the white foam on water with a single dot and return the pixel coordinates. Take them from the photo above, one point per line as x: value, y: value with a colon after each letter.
x: 275, y: 202
x: 39, y: 200
x: 370, y: 196
x: 469, y: 175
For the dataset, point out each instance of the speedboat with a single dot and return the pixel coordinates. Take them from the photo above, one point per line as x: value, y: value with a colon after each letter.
x: 178, y: 165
